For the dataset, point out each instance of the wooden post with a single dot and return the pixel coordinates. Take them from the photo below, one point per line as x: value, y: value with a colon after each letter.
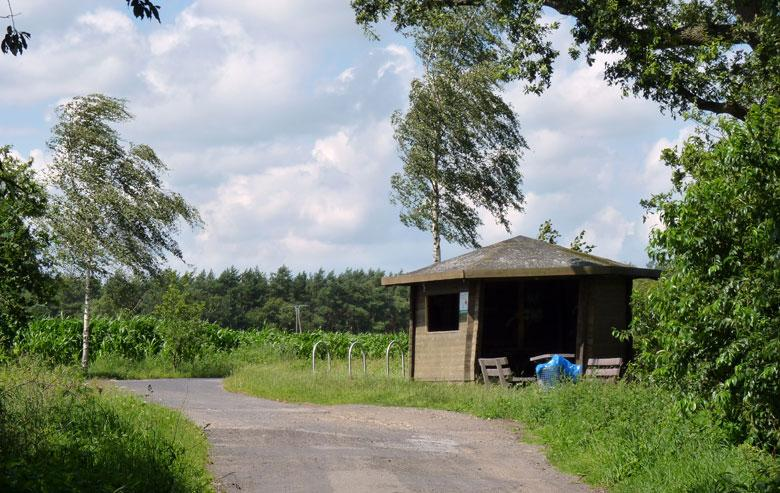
x: 582, y: 321
x: 412, y: 328
x: 476, y: 295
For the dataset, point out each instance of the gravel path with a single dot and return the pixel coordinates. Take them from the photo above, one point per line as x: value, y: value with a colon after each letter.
x: 262, y: 445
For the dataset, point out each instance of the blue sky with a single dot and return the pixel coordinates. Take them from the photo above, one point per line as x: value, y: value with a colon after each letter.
x: 273, y: 118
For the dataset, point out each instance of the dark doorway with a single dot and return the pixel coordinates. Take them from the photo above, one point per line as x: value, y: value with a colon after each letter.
x: 526, y: 318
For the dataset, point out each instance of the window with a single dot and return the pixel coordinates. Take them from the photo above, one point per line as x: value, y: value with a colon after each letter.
x: 443, y: 312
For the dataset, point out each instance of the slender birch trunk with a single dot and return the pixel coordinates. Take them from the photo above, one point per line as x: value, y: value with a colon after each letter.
x: 85, y: 332
x: 435, y: 225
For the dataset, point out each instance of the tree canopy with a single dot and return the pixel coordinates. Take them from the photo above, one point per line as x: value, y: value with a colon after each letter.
x: 719, y: 56
x: 22, y: 277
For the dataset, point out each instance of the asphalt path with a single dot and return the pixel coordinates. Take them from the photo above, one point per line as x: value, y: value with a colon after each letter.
x: 264, y: 445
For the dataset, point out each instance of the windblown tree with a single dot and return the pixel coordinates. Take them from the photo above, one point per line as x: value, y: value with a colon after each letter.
x: 110, y: 209
x: 459, y: 141
x: 719, y: 56
x: 22, y: 277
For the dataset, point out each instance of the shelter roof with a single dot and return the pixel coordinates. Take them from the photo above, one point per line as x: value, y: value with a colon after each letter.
x: 520, y: 257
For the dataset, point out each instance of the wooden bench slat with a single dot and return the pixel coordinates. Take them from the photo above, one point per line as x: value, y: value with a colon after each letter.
x: 603, y: 372
x: 494, y: 372
x: 494, y: 361
x: 605, y: 362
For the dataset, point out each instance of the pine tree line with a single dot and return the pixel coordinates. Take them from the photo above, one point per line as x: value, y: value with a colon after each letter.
x: 351, y: 300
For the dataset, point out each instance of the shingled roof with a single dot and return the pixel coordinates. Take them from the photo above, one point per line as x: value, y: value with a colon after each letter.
x: 520, y: 257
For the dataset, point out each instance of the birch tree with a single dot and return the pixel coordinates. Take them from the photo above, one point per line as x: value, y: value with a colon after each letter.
x: 109, y: 209
x: 459, y: 140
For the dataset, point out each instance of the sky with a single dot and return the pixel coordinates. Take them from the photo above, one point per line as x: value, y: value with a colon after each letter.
x: 274, y: 120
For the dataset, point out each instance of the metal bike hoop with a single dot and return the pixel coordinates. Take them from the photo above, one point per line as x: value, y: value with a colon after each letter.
x: 349, y: 358
x: 387, y: 358
x: 314, y: 355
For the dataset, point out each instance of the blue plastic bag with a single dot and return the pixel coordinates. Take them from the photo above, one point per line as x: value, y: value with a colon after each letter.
x: 550, y: 373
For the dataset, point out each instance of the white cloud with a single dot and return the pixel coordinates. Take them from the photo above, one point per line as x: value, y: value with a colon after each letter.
x: 401, y: 62
x: 608, y: 230
x: 273, y: 117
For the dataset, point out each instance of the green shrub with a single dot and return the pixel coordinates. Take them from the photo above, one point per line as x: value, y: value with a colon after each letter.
x: 710, y: 327
x: 60, y: 434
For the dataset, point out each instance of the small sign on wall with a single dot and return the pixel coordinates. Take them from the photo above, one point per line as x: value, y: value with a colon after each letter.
x: 463, y: 306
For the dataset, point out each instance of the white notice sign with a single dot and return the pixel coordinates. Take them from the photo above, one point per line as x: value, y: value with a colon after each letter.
x: 463, y: 306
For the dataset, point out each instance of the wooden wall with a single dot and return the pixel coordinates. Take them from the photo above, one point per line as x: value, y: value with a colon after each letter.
x: 603, y: 306
x: 450, y: 355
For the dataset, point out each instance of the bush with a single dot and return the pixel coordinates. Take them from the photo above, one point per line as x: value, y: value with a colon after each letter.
x: 60, y: 434
x: 710, y: 327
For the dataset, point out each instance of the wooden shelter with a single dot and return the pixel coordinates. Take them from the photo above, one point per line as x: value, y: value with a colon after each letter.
x: 517, y: 298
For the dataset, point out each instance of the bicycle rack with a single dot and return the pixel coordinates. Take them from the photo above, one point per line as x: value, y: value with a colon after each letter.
x: 314, y: 355
x: 349, y: 358
x: 387, y: 359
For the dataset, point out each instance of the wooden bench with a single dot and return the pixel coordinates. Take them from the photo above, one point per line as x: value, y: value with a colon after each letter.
x: 606, y: 368
x: 498, y: 369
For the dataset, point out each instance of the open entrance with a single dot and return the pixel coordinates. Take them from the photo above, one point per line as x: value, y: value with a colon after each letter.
x: 521, y: 319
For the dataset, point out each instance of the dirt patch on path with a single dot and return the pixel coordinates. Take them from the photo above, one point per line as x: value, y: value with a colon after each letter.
x: 263, y: 445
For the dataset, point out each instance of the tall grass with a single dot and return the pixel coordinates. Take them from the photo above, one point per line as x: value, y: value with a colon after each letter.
x: 626, y: 437
x: 57, y: 433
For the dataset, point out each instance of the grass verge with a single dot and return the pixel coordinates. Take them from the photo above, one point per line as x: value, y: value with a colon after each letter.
x: 625, y: 437
x: 215, y: 364
x: 61, y: 434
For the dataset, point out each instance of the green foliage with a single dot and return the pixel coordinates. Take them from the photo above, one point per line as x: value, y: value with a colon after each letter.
x: 719, y: 56
x: 551, y: 235
x: 710, y: 327
x: 578, y: 244
x: 22, y: 281
x: 625, y: 437
x: 547, y: 233
x: 459, y: 141
x: 60, y: 434
x: 183, y: 332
